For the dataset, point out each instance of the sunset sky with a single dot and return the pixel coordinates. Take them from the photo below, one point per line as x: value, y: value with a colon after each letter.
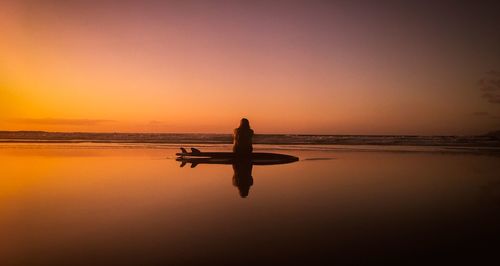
x: 332, y: 67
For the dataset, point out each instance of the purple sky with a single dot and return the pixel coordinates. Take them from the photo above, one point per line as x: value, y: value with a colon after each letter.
x: 330, y: 67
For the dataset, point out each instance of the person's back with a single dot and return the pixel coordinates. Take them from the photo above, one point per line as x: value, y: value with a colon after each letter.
x: 242, y: 144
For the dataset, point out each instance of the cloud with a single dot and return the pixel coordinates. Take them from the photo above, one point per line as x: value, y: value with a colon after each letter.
x: 495, y: 83
x: 493, y: 73
x: 492, y: 97
x: 485, y: 114
x: 60, y: 121
x: 490, y: 87
x: 480, y: 113
x: 157, y: 123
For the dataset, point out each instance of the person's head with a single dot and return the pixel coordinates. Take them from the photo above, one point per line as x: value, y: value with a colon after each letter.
x: 244, y: 123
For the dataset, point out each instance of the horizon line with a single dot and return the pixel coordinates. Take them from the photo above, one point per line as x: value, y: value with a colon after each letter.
x: 186, y: 133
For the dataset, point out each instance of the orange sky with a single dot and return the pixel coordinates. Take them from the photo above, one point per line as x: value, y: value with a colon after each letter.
x: 290, y: 67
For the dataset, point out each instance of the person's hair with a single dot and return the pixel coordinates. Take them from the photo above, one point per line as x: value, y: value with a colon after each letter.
x: 244, y: 123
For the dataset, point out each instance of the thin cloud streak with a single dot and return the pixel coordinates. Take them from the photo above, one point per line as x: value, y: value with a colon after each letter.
x: 490, y: 86
x: 60, y: 121
x: 486, y: 115
x: 480, y: 114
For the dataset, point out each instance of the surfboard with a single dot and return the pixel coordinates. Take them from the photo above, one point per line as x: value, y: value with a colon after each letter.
x: 196, y: 157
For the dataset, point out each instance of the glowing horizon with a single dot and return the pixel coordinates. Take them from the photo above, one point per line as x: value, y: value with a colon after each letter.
x: 297, y: 67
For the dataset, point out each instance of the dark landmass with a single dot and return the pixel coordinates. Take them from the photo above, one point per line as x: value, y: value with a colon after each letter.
x: 487, y: 140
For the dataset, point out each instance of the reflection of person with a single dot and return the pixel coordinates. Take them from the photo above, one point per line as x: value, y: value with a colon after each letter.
x: 242, y: 144
x: 242, y: 178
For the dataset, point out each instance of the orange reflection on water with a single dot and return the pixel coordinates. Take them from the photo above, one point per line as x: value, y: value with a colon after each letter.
x: 87, y: 204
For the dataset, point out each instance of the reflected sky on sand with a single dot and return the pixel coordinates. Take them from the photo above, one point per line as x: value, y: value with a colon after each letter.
x: 93, y: 205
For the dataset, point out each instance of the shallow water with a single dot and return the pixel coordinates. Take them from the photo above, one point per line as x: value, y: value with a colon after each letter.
x: 91, y: 204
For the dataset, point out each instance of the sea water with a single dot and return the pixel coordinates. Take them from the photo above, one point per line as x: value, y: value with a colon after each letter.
x: 132, y: 204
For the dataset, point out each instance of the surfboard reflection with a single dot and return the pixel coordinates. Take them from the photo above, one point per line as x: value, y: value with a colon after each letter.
x: 242, y: 169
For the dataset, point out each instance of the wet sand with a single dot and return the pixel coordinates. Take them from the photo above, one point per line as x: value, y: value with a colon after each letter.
x: 90, y: 204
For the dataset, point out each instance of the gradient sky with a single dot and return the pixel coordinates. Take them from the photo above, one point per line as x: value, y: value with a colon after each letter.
x: 345, y: 67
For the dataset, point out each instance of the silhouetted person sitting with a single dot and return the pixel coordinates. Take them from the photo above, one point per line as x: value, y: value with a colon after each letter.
x: 242, y: 144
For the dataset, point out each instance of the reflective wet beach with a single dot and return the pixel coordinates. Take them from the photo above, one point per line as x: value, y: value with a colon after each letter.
x: 110, y: 204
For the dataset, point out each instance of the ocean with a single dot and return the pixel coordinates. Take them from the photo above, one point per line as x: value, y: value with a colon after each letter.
x: 96, y: 201
x: 407, y: 140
